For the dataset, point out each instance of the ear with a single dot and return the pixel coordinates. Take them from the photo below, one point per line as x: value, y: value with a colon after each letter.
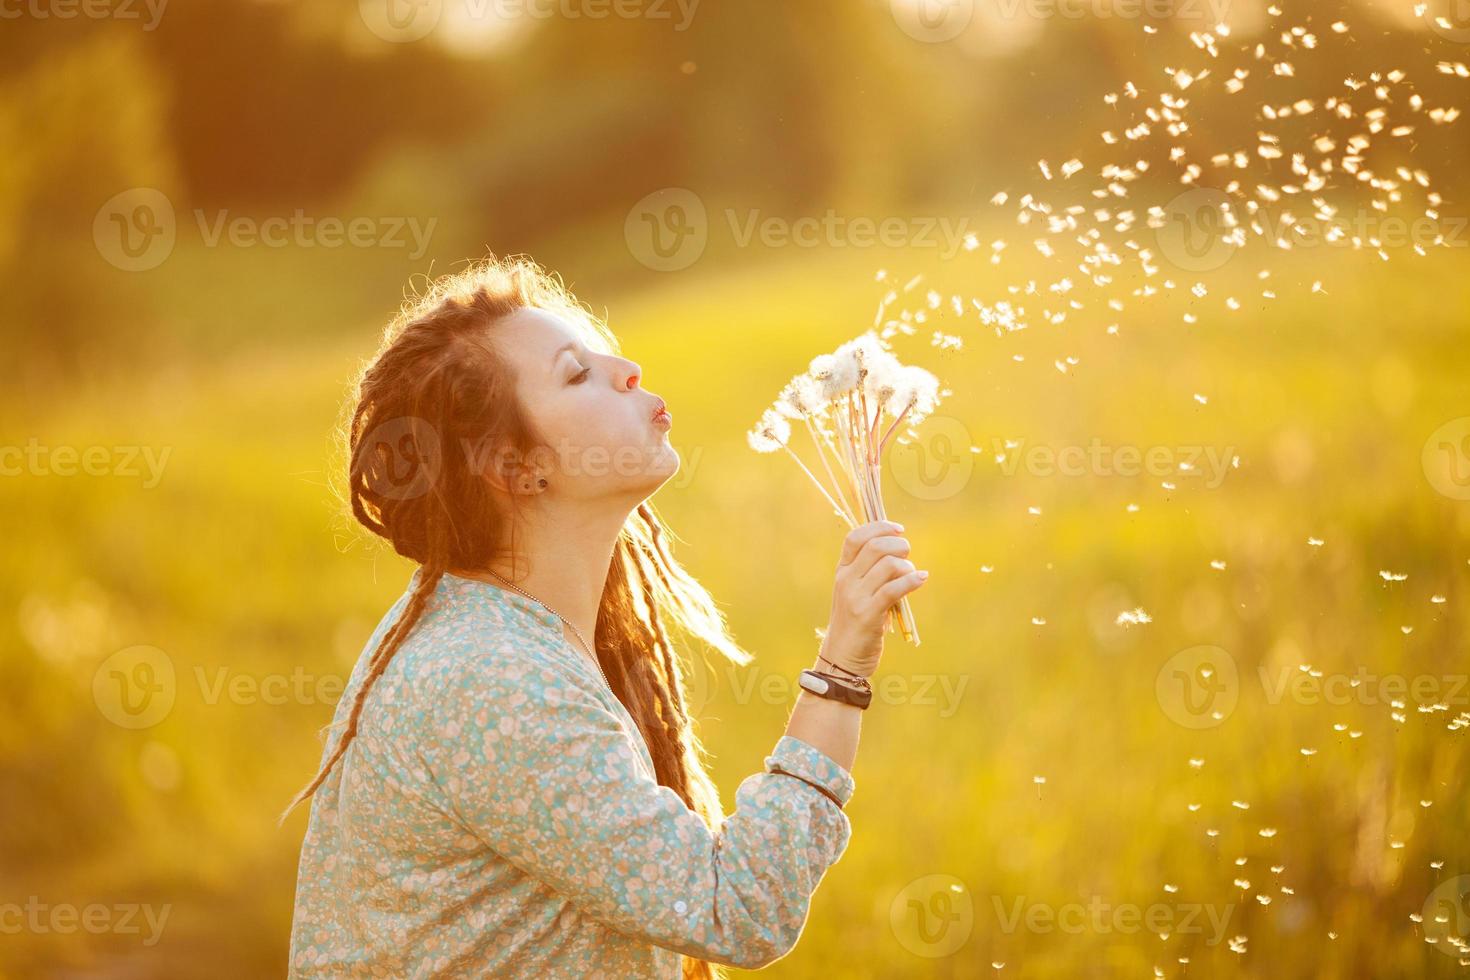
x: 506, y: 470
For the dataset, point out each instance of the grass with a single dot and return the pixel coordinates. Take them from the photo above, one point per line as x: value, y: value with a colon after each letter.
x: 238, y: 562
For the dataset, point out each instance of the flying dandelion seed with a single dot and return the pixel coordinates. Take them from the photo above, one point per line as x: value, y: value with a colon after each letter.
x: 1135, y: 617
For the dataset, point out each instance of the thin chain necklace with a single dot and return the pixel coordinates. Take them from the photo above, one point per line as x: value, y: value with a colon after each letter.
x: 582, y: 639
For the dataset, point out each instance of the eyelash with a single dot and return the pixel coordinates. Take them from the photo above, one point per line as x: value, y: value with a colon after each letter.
x: 580, y: 376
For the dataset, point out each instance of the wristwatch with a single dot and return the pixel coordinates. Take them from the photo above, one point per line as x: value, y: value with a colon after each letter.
x: 835, y: 688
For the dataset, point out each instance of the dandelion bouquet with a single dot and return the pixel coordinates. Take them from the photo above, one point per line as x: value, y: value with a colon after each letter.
x: 851, y: 402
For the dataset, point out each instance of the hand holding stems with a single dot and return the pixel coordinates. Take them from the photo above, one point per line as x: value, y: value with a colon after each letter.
x: 843, y: 400
x: 872, y: 574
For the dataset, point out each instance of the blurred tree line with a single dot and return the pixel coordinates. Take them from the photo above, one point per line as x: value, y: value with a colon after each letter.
x: 267, y: 107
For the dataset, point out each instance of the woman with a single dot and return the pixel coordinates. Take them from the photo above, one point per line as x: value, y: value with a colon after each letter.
x: 512, y: 785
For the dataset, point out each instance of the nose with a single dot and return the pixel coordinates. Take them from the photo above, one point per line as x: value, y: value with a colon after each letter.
x: 633, y: 373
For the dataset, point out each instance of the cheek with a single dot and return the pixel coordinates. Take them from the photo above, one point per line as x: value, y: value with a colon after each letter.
x: 591, y: 424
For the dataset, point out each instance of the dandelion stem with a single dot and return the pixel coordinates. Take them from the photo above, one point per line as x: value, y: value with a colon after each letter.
x: 841, y: 511
x: 836, y: 483
x: 903, y: 415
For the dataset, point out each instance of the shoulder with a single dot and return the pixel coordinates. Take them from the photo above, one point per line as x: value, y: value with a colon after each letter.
x: 465, y: 654
x: 458, y: 644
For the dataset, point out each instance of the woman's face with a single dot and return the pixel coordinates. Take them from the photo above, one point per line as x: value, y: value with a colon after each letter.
x: 590, y: 407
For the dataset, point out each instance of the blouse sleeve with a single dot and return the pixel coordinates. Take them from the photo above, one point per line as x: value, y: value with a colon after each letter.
x: 537, y: 766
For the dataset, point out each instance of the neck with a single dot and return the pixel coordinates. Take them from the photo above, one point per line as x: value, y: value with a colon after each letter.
x: 562, y: 559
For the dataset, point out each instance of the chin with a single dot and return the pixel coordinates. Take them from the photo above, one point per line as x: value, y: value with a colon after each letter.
x: 663, y: 466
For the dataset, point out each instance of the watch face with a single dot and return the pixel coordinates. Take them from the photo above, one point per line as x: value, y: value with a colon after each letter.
x: 817, y: 685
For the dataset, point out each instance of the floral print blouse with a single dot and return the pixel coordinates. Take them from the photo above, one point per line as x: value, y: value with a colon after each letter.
x: 497, y: 815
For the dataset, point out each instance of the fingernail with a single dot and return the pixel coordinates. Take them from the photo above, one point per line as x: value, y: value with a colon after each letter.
x: 897, y: 526
x: 923, y: 575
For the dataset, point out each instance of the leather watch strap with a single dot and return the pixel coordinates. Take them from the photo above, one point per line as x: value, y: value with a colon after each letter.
x: 835, y: 688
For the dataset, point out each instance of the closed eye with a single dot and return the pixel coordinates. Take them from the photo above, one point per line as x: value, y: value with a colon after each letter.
x: 579, y: 377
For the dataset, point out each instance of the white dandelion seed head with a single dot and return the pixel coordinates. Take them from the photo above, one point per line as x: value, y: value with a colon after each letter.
x: 867, y: 350
x: 836, y: 374
x: 915, y: 390
x: 770, y: 433
x: 883, y: 376
x: 801, y: 398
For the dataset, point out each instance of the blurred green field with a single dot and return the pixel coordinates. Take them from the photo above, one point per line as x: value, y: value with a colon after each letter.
x: 238, y: 564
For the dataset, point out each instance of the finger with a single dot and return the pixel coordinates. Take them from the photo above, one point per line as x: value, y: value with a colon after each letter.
x: 862, y: 534
x: 884, y: 570
x: 899, y: 587
x: 876, y: 550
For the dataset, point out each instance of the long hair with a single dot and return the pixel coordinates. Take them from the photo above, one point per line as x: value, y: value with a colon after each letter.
x: 436, y: 387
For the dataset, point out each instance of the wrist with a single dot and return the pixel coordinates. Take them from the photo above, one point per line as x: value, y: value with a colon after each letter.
x: 825, y: 663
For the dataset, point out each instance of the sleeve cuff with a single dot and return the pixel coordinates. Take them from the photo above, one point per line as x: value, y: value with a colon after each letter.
x: 796, y: 758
